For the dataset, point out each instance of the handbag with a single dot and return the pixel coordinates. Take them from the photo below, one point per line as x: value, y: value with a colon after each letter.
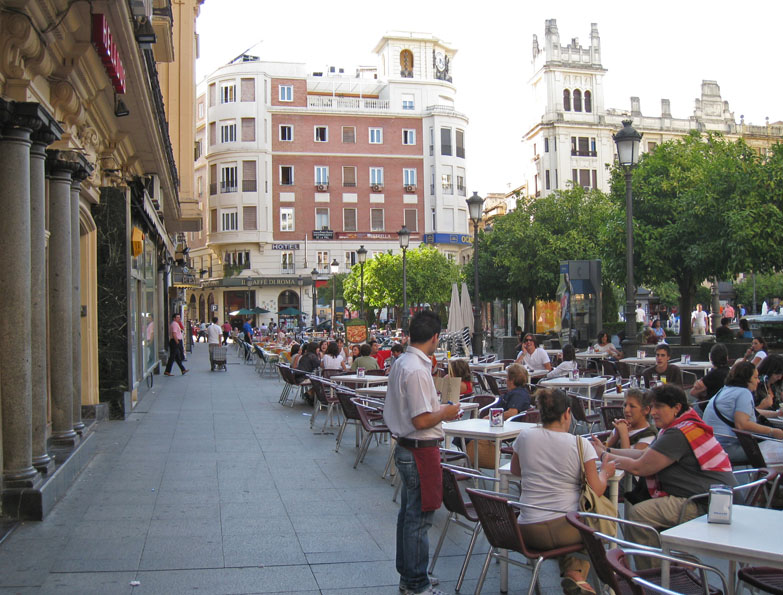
x: 589, y: 501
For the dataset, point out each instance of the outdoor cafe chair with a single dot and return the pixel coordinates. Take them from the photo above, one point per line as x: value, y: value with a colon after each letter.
x: 750, y: 444
x: 461, y: 513
x: 493, y: 385
x: 350, y: 413
x: 752, y: 490
x: 371, y: 419
x: 681, y: 579
x: 577, y: 403
x: 609, y: 413
x: 294, y: 385
x: 763, y: 578
x: 498, y: 517
x: 485, y: 402
x: 479, y: 382
x: 324, y: 399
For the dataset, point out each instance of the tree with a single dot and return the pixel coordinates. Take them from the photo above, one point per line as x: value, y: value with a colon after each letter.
x: 768, y: 287
x: 703, y: 207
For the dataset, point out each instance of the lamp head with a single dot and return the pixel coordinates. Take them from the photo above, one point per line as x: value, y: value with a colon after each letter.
x: 628, y: 141
x: 314, y: 274
x: 405, y: 237
x: 335, y: 266
x: 361, y: 254
x: 475, y: 208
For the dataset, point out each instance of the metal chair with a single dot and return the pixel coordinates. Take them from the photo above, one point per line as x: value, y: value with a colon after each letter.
x: 350, y: 413
x: 578, y: 411
x: 371, y: 420
x: 753, y: 490
x: 688, y: 583
x: 609, y: 413
x: 485, y: 402
x: 324, y: 399
x: 763, y: 578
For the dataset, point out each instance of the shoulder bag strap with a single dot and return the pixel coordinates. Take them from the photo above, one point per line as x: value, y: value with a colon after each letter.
x: 581, y: 460
x: 722, y: 417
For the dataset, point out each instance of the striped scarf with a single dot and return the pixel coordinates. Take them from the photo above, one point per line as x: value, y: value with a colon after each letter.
x: 706, y: 448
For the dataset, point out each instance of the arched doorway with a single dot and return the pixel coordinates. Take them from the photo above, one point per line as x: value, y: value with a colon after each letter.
x: 210, y: 309
x: 288, y: 299
x: 192, y: 307
x: 201, y: 309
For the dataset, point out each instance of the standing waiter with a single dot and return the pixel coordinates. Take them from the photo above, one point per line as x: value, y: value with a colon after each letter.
x: 414, y: 414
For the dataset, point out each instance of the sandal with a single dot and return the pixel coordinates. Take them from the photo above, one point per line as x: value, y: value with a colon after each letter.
x: 574, y: 587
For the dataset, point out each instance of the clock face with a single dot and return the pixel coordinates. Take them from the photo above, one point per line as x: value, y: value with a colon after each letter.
x: 440, y: 61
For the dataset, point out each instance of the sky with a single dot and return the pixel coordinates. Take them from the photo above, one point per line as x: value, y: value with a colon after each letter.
x: 652, y: 50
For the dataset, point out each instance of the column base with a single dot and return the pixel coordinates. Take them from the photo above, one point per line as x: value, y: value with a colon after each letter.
x: 69, y: 439
x: 22, y: 479
x: 78, y: 427
x: 44, y: 464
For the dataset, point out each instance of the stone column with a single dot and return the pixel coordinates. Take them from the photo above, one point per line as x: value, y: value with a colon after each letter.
x: 79, y: 174
x: 61, y: 165
x: 17, y: 122
x: 39, y: 303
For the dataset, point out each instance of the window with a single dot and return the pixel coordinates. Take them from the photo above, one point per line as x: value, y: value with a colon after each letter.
x: 584, y: 178
x: 249, y: 176
x: 286, y: 175
x: 567, y: 100
x: 350, y: 260
x: 408, y: 101
x: 213, y: 180
x: 432, y: 141
x: 376, y: 176
x: 286, y: 132
x: 228, y: 178
x: 406, y: 64
x: 411, y: 220
x: 248, y: 89
x: 409, y: 176
x: 322, y: 262
x: 228, y: 218
x: 213, y: 220
x: 376, y: 136
x: 198, y: 149
x: 376, y: 220
x: 446, y: 181
x: 248, y: 130
x: 445, y: 141
x: 434, y: 227
x: 228, y: 132
x: 408, y: 137
x: 432, y: 180
x: 651, y: 146
x: 595, y: 178
x: 321, y: 134
x: 577, y: 100
x: 201, y: 110
x: 322, y: 175
x: 460, y: 143
x: 249, y: 219
x: 461, y: 181
x: 212, y: 133
x: 212, y: 94
x: 349, y: 175
x: 287, y: 262
x: 228, y: 92
x: 588, y: 102
x: 286, y: 219
x: 349, y: 134
x: 286, y: 93
x: 349, y: 220
x: 546, y: 180
x: 200, y: 186
x: 546, y: 145
x: 322, y: 218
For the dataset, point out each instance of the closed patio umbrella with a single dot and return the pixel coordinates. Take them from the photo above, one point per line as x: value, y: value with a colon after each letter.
x: 455, y: 323
x: 467, y: 309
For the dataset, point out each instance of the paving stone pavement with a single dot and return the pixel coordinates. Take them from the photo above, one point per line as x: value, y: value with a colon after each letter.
x: 212, y: 486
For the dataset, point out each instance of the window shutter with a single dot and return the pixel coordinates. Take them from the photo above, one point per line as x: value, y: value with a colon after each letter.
x: 349, y: 134
x: 249, y: 219
x: 411, y: 220
x: 212, y: 94
x: 377, y: 219
x: 212, y: 133
x: 349, y: 176
x: 213, y: 220
x: 349, y: 219
x: 248, y: 130
x: 248, y: 90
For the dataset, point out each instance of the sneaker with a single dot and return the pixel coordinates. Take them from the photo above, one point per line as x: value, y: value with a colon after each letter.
x: 185, y: 372
x: 168, y: 374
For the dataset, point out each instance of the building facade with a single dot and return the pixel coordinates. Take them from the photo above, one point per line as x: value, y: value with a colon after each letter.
x: 298, y: 168
x: 572, y: 142
x: 90, y: 184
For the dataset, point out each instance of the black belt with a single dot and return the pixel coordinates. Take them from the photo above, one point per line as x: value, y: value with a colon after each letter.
x: 414, y: 443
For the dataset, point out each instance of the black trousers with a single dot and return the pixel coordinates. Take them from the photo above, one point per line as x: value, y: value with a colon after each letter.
x: 175, y: 355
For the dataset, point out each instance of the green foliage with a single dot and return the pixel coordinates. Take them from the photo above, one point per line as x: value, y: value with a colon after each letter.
x: 613, y: 297
x: 768, y: 287
x: 667, y: 292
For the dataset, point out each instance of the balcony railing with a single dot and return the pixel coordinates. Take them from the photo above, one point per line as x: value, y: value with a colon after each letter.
x: 576, y: 153
x: 448, y: 188
x: 348, y: 104
x: 228, y: 187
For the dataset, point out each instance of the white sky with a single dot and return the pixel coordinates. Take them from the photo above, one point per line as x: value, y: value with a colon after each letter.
x: 652, y: 50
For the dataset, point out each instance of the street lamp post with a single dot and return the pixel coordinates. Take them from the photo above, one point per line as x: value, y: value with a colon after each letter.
x: 300, y: 283
x: 314, y: 275
x: 405, y: 238
x: 628, y: 141
x: 361, y: 254
x: 335, y: 267
x: 475, y: 210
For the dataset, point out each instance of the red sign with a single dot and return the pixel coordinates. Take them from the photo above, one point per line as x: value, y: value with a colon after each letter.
x: 104, y: 44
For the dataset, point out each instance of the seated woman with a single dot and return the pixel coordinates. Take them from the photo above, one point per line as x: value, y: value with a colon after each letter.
x: 460, y: 369
x: 288, y: 356
x: 634, y: 429
x: 757, y: 351
x: 296, y: 354
x: 552, y: 478
x: 744, y: 331
x: 772, y: 368
x: 333, y: 359
x: 567, y: 365
x: 604, y: 345
x: 733, y: 407
x: 657, y: 329
x: 672, y: 468
x: 712, y: 382
x: 763, y: 399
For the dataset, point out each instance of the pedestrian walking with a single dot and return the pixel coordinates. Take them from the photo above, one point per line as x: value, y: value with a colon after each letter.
x: 414, y: 413
x: 226, y: 331
x: 213, y: 340
x: 175, y: 343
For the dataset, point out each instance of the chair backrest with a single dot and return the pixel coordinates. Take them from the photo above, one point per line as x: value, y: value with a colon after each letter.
x: 318, y: 387
x: 577, y: 409
x: 498, y: 520
x: 364, y: 410
x: 330, y: 373
x: 751, y: 447
x: 618, y: 564
x: 492, y: 383
x: 595, y: 549
x: 350, y: 411
x: 484, y: 403
x: 609, y: 368
x: 481, y: 381
x: 375, y: 372
x: 452, y: 497
x: 609, y: 413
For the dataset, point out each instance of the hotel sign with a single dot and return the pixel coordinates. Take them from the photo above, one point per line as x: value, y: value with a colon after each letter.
x: 285, y: 246
x: 107, y: 49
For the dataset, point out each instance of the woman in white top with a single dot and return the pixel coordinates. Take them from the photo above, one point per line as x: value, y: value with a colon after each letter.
x: 757, y: 351
x: 333, y: 359
x: 567, y: 365
x: 604, y: 345
x: 547, y: 459
x: 532, y: 355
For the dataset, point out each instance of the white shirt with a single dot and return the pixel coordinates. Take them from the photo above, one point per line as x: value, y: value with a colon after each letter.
x: 551, y: 472
x: 329, y: 362
x: 562, y: 370
x: 537, y: 360
x: 699, y: 318
x: 411, y: 392
x: 214, y: 333
x: 640, y: 315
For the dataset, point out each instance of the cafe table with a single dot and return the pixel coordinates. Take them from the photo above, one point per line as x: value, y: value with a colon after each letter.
x: 639, y: 361
x: 694, y: 366
x: 753, y: 538
x: 479, y: 429
x: 486, y: 367
x: 366, y: 380
x: 589, y: 384
x: 591, y: 355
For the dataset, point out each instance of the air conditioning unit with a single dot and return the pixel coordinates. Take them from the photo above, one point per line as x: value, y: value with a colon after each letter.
x: 322, y: 187
x: 152, y: 186
x: 377, y: 187
x: 141, y: 8
x: 410, y: 188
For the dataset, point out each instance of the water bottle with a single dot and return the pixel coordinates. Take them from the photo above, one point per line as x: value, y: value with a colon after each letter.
x: 642, y: 384
x: 634, y: 382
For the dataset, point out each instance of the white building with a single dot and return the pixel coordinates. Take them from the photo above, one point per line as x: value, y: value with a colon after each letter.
x: 572, y: 143
x: 299, y: 167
